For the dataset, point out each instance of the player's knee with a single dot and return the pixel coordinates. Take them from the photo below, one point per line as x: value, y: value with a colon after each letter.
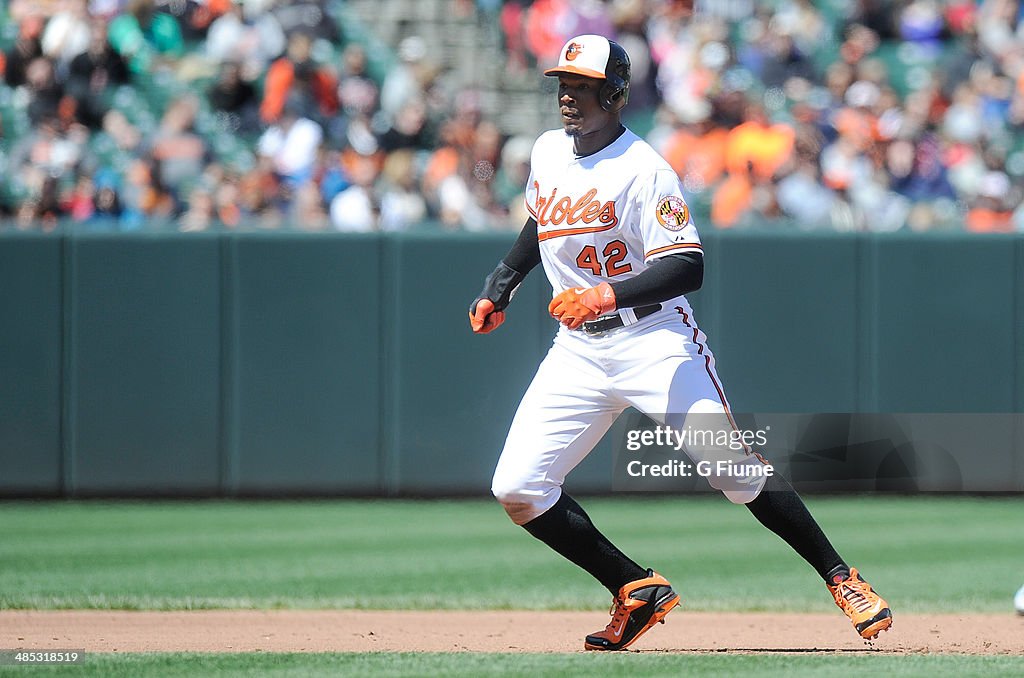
x: 519, y: 508
x: 519, y: 513
x: 741, y: 492
x: 523, y: 504
x: 741, y: 482
x: 744, y: 496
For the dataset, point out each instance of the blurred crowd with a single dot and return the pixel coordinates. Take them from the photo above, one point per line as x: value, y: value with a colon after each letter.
x: 191, y: 115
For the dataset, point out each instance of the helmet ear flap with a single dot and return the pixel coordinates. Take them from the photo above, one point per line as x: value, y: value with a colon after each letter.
x: 615, y: 90
x: 612, y: 97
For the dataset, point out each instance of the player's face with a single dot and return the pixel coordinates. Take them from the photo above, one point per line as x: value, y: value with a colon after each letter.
x: 578, y: 103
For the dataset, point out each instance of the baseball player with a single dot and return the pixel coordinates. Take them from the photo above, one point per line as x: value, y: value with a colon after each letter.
x: 615, y: 236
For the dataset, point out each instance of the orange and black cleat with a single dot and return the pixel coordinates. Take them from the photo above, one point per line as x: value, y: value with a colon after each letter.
x: 865, y: 608
x: 640, y: 605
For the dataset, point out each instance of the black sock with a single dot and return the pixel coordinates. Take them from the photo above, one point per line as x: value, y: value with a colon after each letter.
x: 779, y: 508
x: 837, y: 574
x: 567, y: 529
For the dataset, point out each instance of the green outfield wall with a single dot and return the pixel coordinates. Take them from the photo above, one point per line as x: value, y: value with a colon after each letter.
x: 228, y: 364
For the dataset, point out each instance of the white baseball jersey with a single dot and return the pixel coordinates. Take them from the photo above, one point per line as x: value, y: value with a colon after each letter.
x: 606, y: 217
x: 598, y: 218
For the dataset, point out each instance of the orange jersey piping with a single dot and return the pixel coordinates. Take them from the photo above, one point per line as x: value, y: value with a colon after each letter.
x: 541, y: 237
x: 677, y: 246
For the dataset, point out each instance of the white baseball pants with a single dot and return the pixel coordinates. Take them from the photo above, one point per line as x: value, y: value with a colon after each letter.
x: 660, y: 365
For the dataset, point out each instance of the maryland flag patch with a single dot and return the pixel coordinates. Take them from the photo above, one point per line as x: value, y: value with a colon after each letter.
x: 672, y: 213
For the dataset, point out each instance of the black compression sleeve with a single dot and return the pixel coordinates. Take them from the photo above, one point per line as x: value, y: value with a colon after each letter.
x: 666, y: 278
x: 525, y: 253
x: 503, y: 282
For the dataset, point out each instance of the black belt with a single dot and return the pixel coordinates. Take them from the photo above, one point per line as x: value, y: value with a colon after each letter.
x: 613, y: 322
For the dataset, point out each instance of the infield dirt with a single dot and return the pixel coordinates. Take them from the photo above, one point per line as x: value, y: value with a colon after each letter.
x: 491, y: 631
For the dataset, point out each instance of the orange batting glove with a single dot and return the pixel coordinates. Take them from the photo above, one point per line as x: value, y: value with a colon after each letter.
x: 576, y: 306
x: 483, y: 318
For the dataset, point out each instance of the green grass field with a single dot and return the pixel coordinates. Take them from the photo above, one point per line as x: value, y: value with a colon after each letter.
x: 467, y: 555
x: 387, y: 665
x: 926, y: 554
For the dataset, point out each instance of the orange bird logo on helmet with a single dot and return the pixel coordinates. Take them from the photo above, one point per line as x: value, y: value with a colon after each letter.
x: 573, y: 51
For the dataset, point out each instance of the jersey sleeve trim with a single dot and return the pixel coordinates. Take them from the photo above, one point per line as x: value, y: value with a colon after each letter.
x: 673, y: 248
x: 547, y: 235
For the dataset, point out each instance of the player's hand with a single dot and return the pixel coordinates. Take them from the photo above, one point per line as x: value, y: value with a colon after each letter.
x: 576, y: 306
x: 483, y: 318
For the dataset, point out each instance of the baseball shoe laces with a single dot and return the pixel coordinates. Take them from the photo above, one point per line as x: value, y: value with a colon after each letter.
x: 638, y: 606
x: 867, y: 610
